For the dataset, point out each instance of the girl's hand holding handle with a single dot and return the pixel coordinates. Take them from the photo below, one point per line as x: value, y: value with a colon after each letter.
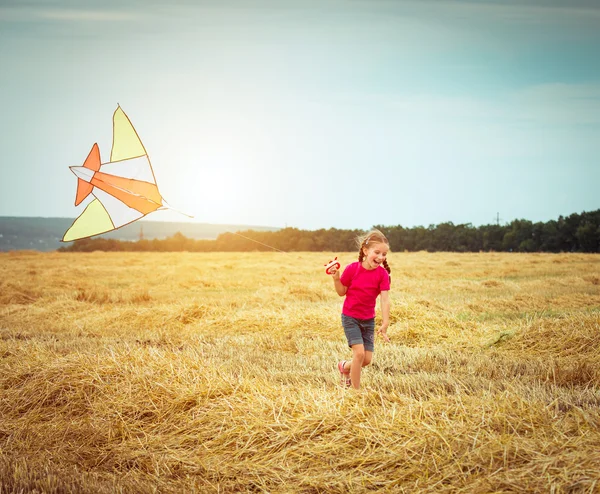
x: 332, y: 266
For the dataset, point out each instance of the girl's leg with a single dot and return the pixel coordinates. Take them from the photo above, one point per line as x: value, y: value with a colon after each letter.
x: 366, y: 361
x: 358, y: 358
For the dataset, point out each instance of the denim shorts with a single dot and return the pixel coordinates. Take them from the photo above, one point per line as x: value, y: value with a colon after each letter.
x: 359, y: 332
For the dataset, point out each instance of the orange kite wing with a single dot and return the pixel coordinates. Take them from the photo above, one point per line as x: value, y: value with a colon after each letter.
x: 93, y: 163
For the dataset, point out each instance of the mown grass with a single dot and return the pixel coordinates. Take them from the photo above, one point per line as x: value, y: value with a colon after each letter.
x: 216, y: 373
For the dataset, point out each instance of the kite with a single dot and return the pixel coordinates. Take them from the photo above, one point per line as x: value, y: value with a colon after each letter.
x: 125, y: 188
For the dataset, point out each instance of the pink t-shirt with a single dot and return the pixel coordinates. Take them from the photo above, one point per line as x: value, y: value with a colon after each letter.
x: 364, y: 286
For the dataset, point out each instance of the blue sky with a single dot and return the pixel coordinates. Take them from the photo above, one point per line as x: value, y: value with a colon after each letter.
x: 312, y: 114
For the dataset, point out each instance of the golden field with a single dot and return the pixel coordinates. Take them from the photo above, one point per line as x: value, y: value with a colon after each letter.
x: 181, y: 372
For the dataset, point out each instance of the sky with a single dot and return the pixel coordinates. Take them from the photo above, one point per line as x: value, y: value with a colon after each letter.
x: 309, y: 113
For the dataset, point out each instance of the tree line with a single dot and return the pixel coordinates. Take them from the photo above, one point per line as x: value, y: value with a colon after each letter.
x: 574, y: 233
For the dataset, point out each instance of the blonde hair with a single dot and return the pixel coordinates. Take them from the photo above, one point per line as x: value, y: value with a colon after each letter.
x: 372, y: 237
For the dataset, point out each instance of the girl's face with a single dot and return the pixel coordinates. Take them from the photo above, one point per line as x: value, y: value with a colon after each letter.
x: 375, y: 254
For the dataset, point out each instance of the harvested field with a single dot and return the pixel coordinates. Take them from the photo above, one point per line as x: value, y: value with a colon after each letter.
x: 154, y: 372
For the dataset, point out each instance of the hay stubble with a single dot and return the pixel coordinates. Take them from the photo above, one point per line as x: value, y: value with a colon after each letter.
x: 216, y: 373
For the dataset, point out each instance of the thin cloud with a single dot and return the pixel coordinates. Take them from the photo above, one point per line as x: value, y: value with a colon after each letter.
x: 28, y: 14
x: 561, y: 104
x: 524, y: 11
x: 72, y: 15
x: 554, y: 105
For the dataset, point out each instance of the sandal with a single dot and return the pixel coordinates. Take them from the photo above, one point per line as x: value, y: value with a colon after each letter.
x: 344, y: 374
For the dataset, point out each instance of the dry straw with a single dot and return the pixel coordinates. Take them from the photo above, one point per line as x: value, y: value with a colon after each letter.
x: 216, y: 373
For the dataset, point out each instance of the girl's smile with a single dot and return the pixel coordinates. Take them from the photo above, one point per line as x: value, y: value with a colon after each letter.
x: 375, y: 255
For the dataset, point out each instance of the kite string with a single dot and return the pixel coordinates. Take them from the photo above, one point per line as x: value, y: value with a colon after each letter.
x: 251, y: 239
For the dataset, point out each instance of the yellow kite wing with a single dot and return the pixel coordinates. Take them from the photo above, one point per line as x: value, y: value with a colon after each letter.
x: 126, y: 142
x: 93, y: 221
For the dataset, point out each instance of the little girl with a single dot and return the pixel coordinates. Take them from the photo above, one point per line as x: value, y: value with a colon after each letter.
x: 361, y: 283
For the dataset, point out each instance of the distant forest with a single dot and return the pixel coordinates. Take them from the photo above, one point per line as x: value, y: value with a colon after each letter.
x: 574, y: 233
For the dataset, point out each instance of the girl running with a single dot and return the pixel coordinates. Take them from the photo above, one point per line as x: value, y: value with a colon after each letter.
x: 362, y: 282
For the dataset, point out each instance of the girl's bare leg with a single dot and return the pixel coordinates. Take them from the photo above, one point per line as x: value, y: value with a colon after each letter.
x: 366, y: 361
x: 358, y: 357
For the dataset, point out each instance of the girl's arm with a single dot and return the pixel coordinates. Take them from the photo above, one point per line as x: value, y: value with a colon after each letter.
x: 385, y: 315
x: 339, y: 288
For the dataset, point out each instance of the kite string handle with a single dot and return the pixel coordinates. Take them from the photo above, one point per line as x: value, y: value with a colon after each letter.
x: 331, y: 265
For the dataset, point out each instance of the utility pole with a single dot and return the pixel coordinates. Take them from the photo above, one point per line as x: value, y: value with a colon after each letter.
x: 141, y: 235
